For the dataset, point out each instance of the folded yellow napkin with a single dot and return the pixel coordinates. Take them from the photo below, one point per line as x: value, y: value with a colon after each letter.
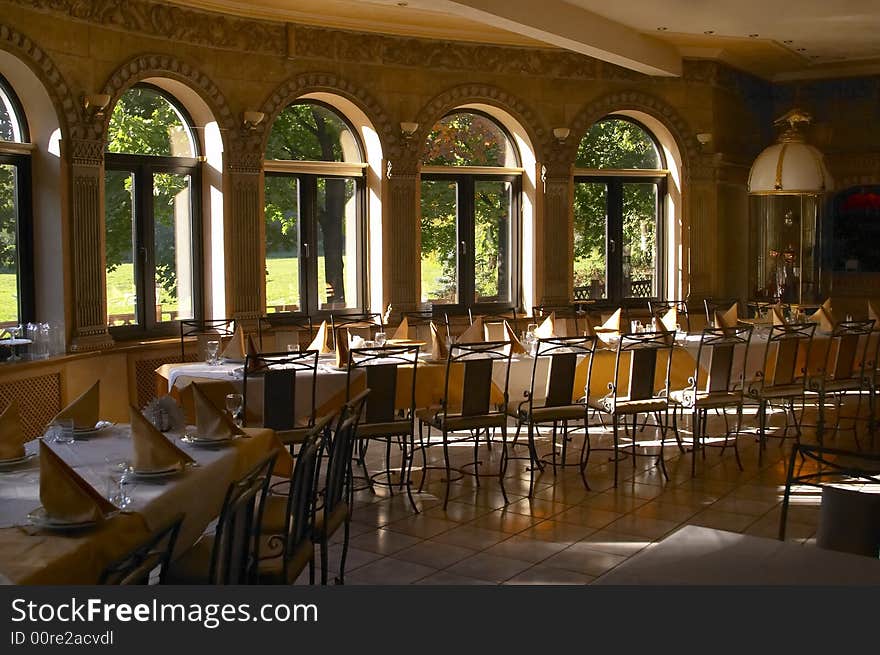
x: 670, y: 319
x: 83, y: 410
x: 728, y: 319
x: 547, y: 328
x: 342, y: 337
x: 438, y: 344
x: 253, y: 364
x: 387, y: 315
x: 319, y: 343
x: 11, y: 435
x: 777, y: 315
x: 237, y: 347
x: 874, y: 312
x: 823, y: 317
x: 613, y: 322
x: 474, y: 334
x: 64, y: 494
x: 152, y: 451
x: 211, y: 422
x: 516, y: 346
x: 402, y: 331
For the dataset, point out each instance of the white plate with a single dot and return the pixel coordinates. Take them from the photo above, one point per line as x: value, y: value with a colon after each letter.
x: 156, y: 474
x: 195, y: 440
x: 40, y: 519
x: 15, y: 461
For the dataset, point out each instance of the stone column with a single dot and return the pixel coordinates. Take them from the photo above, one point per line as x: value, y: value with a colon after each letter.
x: 243, y: 236
x: 86, y: 157
x: 402, y: 236
x: 556, y: 241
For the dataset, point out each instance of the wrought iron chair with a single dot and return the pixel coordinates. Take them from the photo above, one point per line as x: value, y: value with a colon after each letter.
x: 642, y: 350
x: 574, y: 320
x: 337, y: 492
x: 556, y: 403
x: 382, y: 419
x: 844, y: 372
x: 279, y: 374
x: 849, y: 520
x: 456, y: 324
x: 288, y: 520
x: 364, y: 325
x: 139, y: 565
x: 657, y: 308
x: 285, y: 332
x: 783, y: 378
x: 721, y: 387
x: 477, y: 411
x: 231, y: 554
x: 204, y: 331
x: 758, y: 308
x: 420, y: 324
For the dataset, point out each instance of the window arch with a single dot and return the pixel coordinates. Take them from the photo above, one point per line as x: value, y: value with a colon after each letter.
x: 152, y: 213
x: 470, y: 198
x: 16, y: 217
x: 314, y: 212
x: 619, y: 195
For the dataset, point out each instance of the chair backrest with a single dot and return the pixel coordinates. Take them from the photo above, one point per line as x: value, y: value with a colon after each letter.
x: 713, y: 305
x: 493, y: 321
x: 380, y: 365
x: 137, y: 566
x: 642, y: 350
x: 420, y: 324
x: 456, y: 323
x: 279, y: 373
x: 205, y: 330
x: 563, y: 356
x: 847, y: 353
x: 236, y: 548
x: 759, y: 309
x: 721, y: 359
x: 279, y: 331
x: 364, y: 325
x: 657, y: 308
x: 787, y: 353
x: 338, y: 487
x: 478, y: 361
x: 301, y: 499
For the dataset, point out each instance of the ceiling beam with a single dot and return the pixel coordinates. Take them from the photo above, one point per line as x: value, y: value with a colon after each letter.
x: 564, y: 25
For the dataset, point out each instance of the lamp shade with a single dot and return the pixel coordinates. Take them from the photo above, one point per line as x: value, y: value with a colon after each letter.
x: 790, y: 167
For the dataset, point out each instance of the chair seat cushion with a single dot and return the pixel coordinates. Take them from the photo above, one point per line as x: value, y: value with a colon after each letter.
x: 572, y: 412
x: 271, y: 570
x: 274, y: 515
x: 780, y: 391
x: 193, y: 567
x: 388, y: 429
x: 686, y: 397
x: 834, y: 386
x: 626, y: 406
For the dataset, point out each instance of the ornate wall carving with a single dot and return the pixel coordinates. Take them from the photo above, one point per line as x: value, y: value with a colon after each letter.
x: 44, y: 68
x: 244, y: 278
x: 166, y: 21
x: 557, y: 242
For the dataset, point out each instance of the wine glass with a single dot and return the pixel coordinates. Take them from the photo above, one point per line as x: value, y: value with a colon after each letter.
x: 117, y: 471
x: 234, y: 403
x: 212, y: 348
x: 380, y: 339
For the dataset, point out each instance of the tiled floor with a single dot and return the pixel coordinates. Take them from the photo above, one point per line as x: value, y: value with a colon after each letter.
x: 566, y: 534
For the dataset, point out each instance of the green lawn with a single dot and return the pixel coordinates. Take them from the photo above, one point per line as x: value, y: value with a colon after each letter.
x: 8, y: 298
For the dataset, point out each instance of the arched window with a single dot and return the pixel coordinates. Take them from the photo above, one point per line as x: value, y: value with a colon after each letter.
x: 620, y: 183
x: 314, y: 176
x: 152, y: 218
x: 16, y: 231
x: 470, y: 194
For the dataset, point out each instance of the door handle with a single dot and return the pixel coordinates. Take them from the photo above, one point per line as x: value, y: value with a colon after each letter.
x: 462, y: 247
x: 612, y: 245
x: 306, y: 251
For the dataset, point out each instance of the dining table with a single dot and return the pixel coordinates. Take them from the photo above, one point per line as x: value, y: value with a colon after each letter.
x: 30, y: 553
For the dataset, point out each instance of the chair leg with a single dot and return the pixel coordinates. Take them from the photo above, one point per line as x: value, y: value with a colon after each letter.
x: 553, y: 451
x: 697, y: 427
x: 502, y: 469
x: 324, y: 562
x: 762, y: 429
x: 614, y: 424
x: 635, y: 427
x: 585, y: 453
x: 448, y: 468
x: 424, y: 454
x: 406, y: 470
x: 347, y: 530
x: 312, y: 569
x: 532, y: 455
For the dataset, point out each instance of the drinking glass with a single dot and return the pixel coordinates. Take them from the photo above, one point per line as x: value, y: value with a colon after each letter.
x: 293, y: 347
x: 61, y: 430
x: 212, y: 348
x: 117, y: 472
x: 380, y: 339
x: 234, y: 404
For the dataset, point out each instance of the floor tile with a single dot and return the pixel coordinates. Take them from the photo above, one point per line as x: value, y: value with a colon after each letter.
x: 489, y: 567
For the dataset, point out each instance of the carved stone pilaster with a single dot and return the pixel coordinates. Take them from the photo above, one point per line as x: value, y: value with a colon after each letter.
x: 402, y: 235
x: 555, y: 247
x: 86, y: 239
x: 244, y: 272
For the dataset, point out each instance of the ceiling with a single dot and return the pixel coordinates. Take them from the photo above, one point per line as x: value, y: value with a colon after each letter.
x: 775, y: 39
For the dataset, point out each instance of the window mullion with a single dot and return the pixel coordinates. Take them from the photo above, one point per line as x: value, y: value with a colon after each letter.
x: 147, y: 251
